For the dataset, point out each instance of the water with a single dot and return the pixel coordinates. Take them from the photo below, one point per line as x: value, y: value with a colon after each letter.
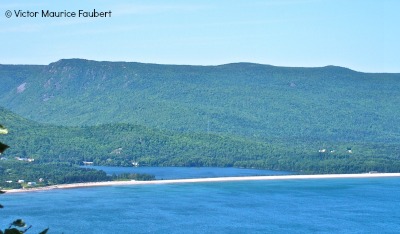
x: 169, y: 173
x: 292, y: 206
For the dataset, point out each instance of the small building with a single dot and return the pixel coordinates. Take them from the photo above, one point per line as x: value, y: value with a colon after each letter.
x: 349, y: 150
x: 25, y: 159
x: 21, y: 181
x: 117, y: 151
x: 135, y: 164
x: 3, y: 130
x: 87, y: 163
x: 322, y: 150
x: 9, y: 181
x: 31, y: 183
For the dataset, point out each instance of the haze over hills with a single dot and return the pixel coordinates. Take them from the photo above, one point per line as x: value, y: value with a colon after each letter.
x: 240, y: 114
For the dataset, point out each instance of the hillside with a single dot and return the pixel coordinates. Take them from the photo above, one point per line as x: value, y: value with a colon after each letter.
x: 325, y: 120
x: 252, y: 100
x: 122, y: 144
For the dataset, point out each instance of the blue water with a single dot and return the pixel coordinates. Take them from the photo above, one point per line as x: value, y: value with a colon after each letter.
x: 291, y: 206
x: 166, y: 173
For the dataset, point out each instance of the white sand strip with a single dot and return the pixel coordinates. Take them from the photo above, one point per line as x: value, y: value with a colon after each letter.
x: 203, y: 180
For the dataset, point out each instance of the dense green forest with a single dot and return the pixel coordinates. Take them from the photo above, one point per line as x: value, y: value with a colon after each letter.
x: 122, y: 144
x: 22, y: 171
x: 243, y: 99
x: 44, y: 174
x: 311, y: 120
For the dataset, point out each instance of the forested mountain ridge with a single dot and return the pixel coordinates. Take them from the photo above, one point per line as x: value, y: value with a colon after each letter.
x: 318, y: 120
x: 123, y: 144
x: 243, y: 99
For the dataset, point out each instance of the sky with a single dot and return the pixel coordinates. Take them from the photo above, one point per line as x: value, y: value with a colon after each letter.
x: 363, y: 35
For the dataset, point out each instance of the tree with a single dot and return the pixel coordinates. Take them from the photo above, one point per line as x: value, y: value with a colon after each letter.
x: 3, y: 147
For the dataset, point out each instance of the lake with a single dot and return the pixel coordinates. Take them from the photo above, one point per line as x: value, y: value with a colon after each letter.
x: 170, y: 173
x: 368, y: 205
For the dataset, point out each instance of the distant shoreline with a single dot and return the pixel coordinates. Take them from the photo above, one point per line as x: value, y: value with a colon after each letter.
x: 204, y: 180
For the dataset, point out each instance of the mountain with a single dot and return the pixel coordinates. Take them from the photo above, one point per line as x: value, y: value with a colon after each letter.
x: 121, y: 144
x: 58, y: 147
x: 252, y: 100
x: 328, y: 119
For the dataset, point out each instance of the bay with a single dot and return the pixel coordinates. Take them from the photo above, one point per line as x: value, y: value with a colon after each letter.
x: 368, y: 205
x: 171, y: 173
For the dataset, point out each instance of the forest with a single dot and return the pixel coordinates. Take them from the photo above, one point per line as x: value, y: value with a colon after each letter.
x: 307, y: 120
x: 124, y: 144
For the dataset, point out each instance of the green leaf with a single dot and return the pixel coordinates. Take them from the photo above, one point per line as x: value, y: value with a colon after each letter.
x: 3, y: 147
x: 12, y: 231
x: 43, y: 232
x: 19, y: 223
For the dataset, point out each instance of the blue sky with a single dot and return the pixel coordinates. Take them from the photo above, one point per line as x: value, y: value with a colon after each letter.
x: 363, y: 35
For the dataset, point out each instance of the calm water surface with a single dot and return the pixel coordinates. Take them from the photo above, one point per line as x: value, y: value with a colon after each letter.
x: 291, y: 206
x: 168, y: 173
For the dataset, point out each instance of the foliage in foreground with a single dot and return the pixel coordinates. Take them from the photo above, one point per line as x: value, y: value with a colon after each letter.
x: 18, y: 227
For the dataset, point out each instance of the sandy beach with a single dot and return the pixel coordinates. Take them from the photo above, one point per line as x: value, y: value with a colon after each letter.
x: 204, y: 180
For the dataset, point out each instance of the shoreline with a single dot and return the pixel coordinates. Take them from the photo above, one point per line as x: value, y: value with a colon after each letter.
x: 203, y: 180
